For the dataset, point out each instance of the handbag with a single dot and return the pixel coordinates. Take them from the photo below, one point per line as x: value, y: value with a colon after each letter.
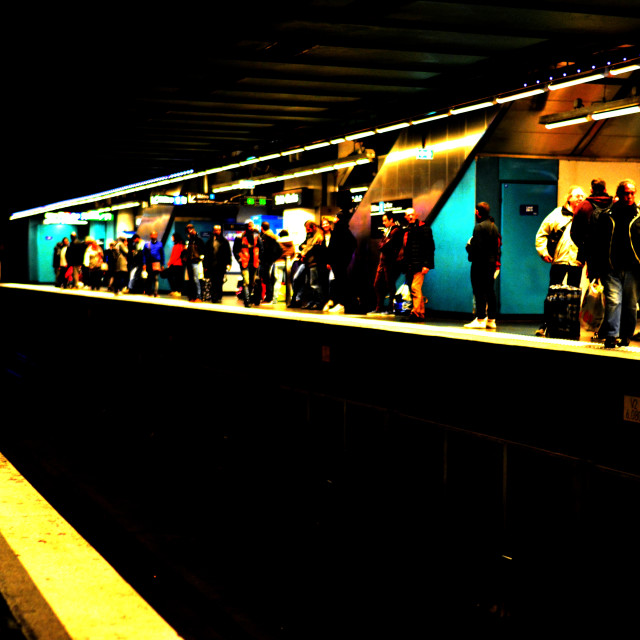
x: 592, y: 308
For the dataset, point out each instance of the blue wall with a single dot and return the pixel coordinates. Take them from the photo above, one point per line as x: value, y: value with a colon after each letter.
x: 448, y: 286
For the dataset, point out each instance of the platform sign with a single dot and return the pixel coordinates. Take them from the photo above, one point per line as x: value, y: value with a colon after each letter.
x: 632, y: 409
x: 529, y: 209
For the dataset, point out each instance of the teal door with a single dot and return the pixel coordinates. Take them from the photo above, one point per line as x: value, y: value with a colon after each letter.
x: 524, y: 277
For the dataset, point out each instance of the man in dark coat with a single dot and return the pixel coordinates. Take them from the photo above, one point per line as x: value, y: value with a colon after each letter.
x: 384, y: 284
x: 613, y: 256
x: 217, y: 261
x: 418, y: 259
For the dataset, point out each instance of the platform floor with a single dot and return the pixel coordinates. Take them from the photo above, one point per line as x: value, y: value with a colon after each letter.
x: 512, y: 331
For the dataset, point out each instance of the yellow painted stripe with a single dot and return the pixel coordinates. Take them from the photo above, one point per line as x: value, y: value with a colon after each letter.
x: 48, y: 572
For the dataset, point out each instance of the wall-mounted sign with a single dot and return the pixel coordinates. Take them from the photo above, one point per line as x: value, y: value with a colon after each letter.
x: 294, y: 198
x: 72, y: 217
x: 391, y: 206
x: 165, y: 199
x: 528, y: 209
x: 200, y: 198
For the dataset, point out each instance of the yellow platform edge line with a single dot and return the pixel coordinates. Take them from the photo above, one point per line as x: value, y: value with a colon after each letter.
x: 57, y: 586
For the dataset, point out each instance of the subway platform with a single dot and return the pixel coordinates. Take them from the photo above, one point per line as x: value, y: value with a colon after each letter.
x: 271, y: 473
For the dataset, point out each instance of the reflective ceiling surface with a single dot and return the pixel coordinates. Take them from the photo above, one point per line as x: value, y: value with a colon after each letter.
x: 99, y: 102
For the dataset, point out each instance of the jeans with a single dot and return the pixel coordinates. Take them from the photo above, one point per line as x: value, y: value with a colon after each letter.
x: 621, y: 292
x: 417, y: 279
x: 195, y: 291
x: 482, y: 283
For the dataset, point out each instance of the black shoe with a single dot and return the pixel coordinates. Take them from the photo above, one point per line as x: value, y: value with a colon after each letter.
x: 610, y: 343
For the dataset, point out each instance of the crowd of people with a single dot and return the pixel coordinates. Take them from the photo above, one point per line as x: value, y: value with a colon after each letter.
x: 599, y: 232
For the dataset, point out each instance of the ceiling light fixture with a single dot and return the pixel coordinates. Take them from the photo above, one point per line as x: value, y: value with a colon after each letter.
x: 519, y: 96
x: 472, y: 107
x: 626, y: 69
x: 597, y: 111
x: 393, y: 127
x: 554, y: 86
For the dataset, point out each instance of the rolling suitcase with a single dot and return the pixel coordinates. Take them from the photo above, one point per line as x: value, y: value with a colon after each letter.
x: 562, y: 312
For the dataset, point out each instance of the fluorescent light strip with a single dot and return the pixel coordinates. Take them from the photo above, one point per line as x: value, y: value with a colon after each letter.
x: 575, y: 81
x: 472, y: 107
x: 519, y: 96
x: 626, y: 69
x: 566, y: 123
x: 317, y: 145
x: 613, y: 113
x: 304, y: 172
x: 430, y: 118
x: 393, y: 127
x: 362, y: 134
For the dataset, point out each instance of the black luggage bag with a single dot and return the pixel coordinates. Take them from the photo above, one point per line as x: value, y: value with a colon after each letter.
x: 562, y: 312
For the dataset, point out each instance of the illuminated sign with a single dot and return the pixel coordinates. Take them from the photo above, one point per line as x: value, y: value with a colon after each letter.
x: 294, y: 197
x: 394, y: 206
x: 165, y: 199
x: 70, y: 217
x: 256, y: 201
x: 200, y: 198
x: 425, y: 154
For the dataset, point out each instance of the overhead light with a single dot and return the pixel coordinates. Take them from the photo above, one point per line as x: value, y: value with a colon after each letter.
x: 337, y: 140
x: 626, y: 69
x: 393, y: 127
x: 271, y: 156
x: 292, y: 151
x: 361, y: 134
x: 612, y: 113
x: 519, y: 96
x: 317, y: 145
x: 570, y: 83
x: 472, y: 107
x: 597, y: 111
x: 431, y: 118
x: 566, y: 123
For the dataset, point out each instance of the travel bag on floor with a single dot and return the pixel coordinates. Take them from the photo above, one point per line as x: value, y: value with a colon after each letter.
x: 562, y: 312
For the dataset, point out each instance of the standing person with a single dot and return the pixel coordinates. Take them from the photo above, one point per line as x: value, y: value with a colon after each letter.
x: 175, y: 266
x: 613, y: 256
x: 555, y: 246
x: 193, y: 258
x: 384, y: 284
x: 121, y: 266
x: 246, y: 250
x: 217, y: 261
x: 282, y: 267
x: 597, y: 201
x: 75, y: 259
x: 271, y: 251
x: 484, y: 254
x: 93, y: 259
x: 418, y: 253
x: 136, y: 259
x: 153, y: 263
x: 60, y: 262
x: 301, y: 274
x: 340, y: 246
x: 314, y: 257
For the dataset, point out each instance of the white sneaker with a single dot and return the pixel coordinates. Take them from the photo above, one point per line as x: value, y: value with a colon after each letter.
x: 337, y: 309
x: 477, y: 324
x: 328, y: 306
x: 491, y: 324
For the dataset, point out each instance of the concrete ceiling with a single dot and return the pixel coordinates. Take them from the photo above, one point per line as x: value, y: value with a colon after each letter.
x: 98, y: 102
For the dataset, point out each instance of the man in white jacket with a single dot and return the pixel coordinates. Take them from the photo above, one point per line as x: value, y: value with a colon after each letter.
x: 554, y: 243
